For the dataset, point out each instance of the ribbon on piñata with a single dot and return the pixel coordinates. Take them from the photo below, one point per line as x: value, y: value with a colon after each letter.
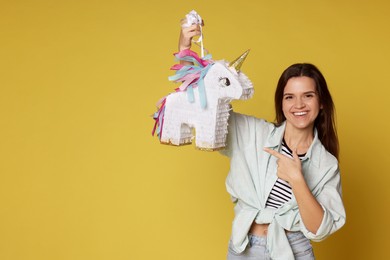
x: 159, y: 119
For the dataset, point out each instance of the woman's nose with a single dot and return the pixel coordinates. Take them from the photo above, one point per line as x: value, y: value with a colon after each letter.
x: 299, y: 103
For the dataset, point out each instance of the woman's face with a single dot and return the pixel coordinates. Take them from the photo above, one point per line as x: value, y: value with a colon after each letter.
x: 300, y: 103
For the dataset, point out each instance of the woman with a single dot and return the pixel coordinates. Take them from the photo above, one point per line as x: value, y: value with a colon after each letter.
x: 284, y: 176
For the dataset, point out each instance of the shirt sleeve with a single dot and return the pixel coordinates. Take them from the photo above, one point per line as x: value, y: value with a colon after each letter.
x: 241, y: 132
x: 330, y: 198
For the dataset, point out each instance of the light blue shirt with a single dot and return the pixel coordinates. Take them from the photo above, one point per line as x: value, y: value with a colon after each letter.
x: 253, y: 173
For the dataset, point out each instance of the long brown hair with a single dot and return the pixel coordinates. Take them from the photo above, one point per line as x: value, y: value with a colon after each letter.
x: 325, y: 121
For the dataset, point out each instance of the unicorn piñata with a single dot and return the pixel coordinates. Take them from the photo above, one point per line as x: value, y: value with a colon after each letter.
x: 202, y: 102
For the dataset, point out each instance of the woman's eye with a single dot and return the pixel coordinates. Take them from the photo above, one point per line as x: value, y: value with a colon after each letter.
x: 288, y: 97
x: 225, y: 82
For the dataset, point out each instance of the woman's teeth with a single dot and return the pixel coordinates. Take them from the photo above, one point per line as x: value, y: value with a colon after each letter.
x: 300, y: 113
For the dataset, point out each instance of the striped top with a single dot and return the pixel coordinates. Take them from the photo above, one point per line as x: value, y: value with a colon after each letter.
x: 281, y: 191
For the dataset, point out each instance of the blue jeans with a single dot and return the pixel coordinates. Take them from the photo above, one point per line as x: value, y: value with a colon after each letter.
x: 256, y: 249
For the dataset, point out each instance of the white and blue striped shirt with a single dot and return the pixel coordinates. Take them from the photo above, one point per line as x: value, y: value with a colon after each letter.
x: 281, y: 191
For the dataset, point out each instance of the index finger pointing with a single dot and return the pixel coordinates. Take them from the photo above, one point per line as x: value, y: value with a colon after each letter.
x: 273, y: 152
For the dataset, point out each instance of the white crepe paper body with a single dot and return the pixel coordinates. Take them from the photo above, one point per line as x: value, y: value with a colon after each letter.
x: 201, y: 110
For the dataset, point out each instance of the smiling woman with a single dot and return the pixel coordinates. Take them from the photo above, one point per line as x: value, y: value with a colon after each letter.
x: 293, y: 197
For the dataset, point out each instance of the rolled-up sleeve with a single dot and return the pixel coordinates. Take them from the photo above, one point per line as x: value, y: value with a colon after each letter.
x: 330, y: 198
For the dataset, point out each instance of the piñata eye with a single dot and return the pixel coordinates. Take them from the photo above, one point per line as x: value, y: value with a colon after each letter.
x: 225, y: 82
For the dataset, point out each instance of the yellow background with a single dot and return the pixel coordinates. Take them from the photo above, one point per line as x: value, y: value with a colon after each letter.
x: 81, y: 177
